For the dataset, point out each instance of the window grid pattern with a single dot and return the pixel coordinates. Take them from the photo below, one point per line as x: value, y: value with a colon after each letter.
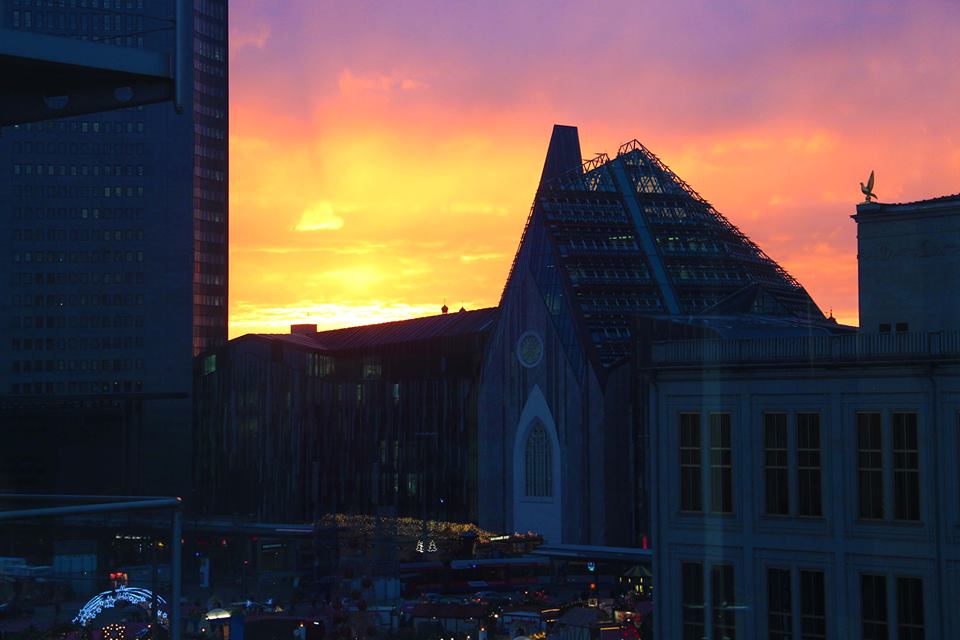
x: 721, y: 464
x: 538, y: 460
x: 873, y: 607
x: 910, y: 609
x: 870, y: 465
x: 776, y: 463
x: 587, y: 218
x: 692, y: 601
x: 779, y: 605
x: 809, y: 489
x: 691, y: 488
x: 813, y: 609
x: 724, y: 602
x: 906, y: 467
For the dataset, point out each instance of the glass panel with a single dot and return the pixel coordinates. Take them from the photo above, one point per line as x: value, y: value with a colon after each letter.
x: 809, y: 492
x: 539, y: 471
x: 779, y: 614
x: 873, y: 607
x: 721, y: 464
x: 870, y: 465
x: 691, y: 496
x: 813, y: 617
x: 910, y: 609
x: 692, y: 601
x: 906, y: 467
x: 775, y: 463
x: 724, y: 610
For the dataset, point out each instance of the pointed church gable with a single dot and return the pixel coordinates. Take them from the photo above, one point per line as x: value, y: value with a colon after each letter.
x: 619, y: 237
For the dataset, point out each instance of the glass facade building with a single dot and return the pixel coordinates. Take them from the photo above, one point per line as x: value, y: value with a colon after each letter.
x: 113, y: 236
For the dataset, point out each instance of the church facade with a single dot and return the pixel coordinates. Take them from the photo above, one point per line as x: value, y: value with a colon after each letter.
x: 616, y: 252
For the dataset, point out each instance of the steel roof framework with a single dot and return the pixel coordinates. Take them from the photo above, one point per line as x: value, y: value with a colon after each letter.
x: 629, y: 237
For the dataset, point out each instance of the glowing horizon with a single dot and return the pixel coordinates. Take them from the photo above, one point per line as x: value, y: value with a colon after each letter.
x: 380, y: 168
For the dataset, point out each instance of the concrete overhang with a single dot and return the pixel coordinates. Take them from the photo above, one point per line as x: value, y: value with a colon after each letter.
x: 46, y: 77
x: 594, y: 552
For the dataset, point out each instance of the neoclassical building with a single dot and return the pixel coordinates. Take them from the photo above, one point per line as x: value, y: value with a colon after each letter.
x: 808, y: 487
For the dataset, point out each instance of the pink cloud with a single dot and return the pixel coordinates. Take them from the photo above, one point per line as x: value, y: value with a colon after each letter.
x: 405, y: 111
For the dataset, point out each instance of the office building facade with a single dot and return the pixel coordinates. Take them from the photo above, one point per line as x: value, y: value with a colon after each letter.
x: 113, y: 236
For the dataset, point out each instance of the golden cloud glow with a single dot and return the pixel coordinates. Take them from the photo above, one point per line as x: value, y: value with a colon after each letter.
x: 319, y: 217
x: 378, y: 168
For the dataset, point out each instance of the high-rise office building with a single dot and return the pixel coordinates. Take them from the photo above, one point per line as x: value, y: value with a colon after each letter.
x: 113, y: 240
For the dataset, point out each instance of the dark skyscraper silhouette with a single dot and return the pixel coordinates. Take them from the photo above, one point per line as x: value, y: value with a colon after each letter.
x: 113, y: 237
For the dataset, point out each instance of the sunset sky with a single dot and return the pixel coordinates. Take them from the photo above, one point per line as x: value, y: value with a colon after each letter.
x: 384, y: 155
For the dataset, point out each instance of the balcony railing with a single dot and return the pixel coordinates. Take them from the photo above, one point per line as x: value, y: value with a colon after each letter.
x: 858, y: 346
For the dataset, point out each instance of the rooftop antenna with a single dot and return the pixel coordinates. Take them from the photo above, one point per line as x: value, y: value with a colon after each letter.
x: 444, y: 309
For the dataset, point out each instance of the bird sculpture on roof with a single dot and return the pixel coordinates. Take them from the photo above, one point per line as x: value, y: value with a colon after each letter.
x: 867, y: 189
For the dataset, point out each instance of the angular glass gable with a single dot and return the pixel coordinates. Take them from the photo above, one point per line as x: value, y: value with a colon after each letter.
x: 622, y: 237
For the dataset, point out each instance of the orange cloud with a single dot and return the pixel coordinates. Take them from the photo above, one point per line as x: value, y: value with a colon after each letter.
x: 411, y: 154
x: 319, y: 217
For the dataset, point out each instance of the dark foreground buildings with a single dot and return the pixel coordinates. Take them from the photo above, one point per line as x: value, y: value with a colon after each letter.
x: 533, y: 419
x: 379, y: 419
x: 650, y: 378
x: 113, y: 237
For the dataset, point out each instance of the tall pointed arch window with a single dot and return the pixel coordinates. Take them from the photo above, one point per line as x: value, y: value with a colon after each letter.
x: 538, y: 464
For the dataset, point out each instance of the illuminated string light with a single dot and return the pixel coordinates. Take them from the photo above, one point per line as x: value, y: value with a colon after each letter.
x: 109, y: 599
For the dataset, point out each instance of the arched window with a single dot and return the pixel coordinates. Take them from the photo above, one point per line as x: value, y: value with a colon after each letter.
x: 538, y: 464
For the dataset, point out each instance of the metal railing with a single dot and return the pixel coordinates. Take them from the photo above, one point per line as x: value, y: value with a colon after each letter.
x: 86, y: 504
x: 858, y: 346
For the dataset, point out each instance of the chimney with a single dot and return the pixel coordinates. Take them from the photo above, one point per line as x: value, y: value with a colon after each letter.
x: 303, y: 329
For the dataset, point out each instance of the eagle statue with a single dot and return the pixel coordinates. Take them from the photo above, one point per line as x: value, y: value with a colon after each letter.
x: 867, y: 189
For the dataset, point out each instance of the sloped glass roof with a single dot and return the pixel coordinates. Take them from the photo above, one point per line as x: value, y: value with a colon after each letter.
x: 627, y: 236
